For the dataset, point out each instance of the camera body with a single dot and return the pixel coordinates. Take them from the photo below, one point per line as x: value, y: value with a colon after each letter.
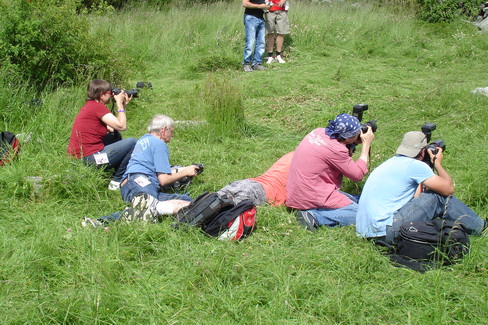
x: 183, y: 182
x: 131, y: 92
x: 357, y: 111
x: 427, y: 129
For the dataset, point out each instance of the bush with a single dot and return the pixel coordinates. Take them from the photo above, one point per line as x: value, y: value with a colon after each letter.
x: 46, y: 42
x: 434, y: 11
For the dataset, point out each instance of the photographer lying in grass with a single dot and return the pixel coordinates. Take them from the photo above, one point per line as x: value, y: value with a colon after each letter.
x: 269, y: 187
x: 390, y: 196
x: 91, y: 126
x: 148, y: 169
x: 321, y: 160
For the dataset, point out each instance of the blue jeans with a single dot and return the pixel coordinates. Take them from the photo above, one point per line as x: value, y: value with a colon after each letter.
x: 131, y: 188
x: 430, y: 205
x: 118, y: 154
x: 344, y: 216
x: 255, y: 42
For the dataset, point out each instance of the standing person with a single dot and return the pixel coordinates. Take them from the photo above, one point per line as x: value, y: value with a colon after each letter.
x: 276, y: 23
x: 148, y: 168
x: 91, y: 126
x: 391, y: 198
x: 255, y: 30
x: 321, y: 160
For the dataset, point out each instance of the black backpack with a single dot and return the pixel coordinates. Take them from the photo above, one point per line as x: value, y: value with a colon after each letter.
x: 423, y: 245
x: 218, y: 217
x: 9, y: 147
x: 235, y: 223
x: 203, y: 209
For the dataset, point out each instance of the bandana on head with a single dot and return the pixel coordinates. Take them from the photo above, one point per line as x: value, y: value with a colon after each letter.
x: 344, y: 126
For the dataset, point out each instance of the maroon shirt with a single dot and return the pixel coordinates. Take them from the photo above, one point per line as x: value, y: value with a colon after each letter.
x: 88, y: 130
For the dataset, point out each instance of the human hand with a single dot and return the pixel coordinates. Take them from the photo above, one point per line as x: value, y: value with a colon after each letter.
x: 191, y: 170
x: 436, y: 158
x: 367, y: 137
x: 122, y: 98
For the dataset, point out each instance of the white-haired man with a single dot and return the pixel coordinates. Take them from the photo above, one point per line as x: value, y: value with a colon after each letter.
x: 148, y: 168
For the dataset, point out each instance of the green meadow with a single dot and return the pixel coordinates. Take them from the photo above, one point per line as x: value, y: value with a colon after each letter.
x: 53, y: 271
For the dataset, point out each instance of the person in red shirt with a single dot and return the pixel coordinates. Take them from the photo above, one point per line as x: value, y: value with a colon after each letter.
x: 91, y: 126
x: 276, y: 23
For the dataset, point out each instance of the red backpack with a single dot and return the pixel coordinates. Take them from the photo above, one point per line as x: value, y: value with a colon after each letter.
x: 9, y: 147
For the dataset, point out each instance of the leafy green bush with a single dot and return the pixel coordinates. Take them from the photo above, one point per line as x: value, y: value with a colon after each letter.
x: 446, y: 10
x: 47, y: 42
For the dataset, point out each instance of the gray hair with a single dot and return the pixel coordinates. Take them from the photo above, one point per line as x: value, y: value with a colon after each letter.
x: 158, y: 122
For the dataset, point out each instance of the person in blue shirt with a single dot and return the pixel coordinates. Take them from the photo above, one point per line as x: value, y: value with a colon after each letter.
x: 405, y: 189
x: 148, y: 168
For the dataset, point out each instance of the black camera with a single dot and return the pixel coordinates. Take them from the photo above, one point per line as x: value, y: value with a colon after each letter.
x: 427, y: 129
x: 183, y: 182
x: 131, y: 92
x: 357, y: 111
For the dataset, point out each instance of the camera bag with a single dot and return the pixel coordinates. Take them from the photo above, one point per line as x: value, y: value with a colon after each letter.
x: 9, y: 147
x: 202, y: 210
x: 235, y: 223
x: 424, y: 245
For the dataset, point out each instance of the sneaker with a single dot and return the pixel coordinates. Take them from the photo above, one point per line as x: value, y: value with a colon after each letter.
x: 88, y: 222
x: 247, y: 68
x: 143, y: 207
x: 484, y: 232
x: 270, y: 60
x: 113, y: 186
x: 307, y: 219
x: 258, y: 66
x: 280, y: 59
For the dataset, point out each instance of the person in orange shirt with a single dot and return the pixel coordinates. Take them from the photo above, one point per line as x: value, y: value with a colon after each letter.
x: 270, y: 187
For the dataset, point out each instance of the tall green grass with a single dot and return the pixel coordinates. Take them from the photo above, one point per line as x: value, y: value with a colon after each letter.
x: 52, y: 271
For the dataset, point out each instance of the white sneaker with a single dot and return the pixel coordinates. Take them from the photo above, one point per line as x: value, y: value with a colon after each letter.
x: 88, y: 222
x: 113, y: 186
x: 280, y: 59
x: 270, y: 60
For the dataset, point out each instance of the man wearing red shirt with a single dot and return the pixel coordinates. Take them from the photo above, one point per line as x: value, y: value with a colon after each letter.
x: 276, y: 23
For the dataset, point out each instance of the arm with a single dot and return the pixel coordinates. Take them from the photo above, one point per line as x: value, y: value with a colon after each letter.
x: 366, y: 139
x: 442, y: 182
x: 118, y: 122
x: 165, y: 179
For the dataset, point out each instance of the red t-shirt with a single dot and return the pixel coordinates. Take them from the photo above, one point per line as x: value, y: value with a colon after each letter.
x: 316, y: 171
x: 88, y: 130
x: 273, y: 180
x: 275, y: 6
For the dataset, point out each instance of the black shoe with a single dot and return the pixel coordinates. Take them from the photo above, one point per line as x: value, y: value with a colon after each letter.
x: 307, y: 219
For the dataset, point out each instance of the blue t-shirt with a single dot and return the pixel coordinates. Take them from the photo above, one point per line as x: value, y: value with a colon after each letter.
x: 389, y: 187
x: 150, y: 156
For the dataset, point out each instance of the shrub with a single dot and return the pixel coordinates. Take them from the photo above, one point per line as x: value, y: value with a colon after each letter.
x: 47, y: 42
x: 447, y: 10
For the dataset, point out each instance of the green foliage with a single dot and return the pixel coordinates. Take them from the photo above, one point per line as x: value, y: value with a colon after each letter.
x: 52, y: 271
x: 434, y: 11
x: 118, y: 4
x: 47, y: 42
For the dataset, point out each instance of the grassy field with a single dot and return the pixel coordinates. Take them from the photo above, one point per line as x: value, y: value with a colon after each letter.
x: 52, y: 271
